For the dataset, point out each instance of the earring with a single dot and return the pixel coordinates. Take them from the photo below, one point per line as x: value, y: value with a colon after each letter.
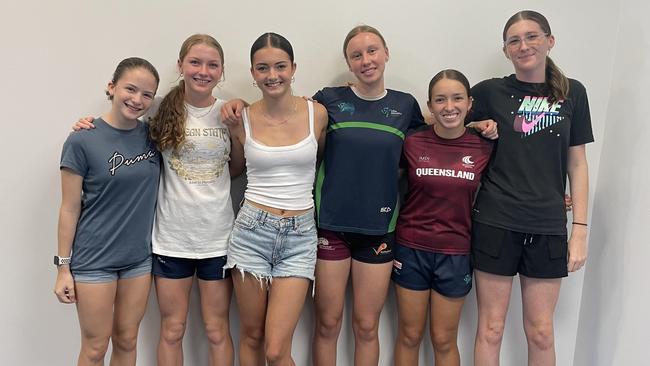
x: 255, y: 84
x: 293, y: 79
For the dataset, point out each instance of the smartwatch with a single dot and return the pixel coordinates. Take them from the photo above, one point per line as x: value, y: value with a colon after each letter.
x: 59, y: 261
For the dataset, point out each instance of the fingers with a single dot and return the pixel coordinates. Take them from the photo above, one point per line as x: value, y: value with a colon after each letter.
x: 576, y: 264
x: 568, y: 202
x: 66, y: 294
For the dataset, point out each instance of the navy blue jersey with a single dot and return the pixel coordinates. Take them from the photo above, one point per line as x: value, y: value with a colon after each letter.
x: 523, y: 187
x: 356, y: 185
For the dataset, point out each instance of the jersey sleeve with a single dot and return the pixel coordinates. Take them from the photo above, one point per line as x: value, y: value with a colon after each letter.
x: 319, y: 96
x: 581, y: 130
x: 73, y: 156
x: 417, y: 120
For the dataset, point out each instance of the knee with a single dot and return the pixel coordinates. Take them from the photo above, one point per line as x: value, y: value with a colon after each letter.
x: 94, y: 350
x: 275, y: 353
x: 171, y: 331
x: 329, y: 326
x: 491, y: 332
x: 540, y: 335
x: 410, y: 337
x: 217, y: 332
x: 252, y: 337
x: 365, y: 329
x: 125, y: 341
x: 443, y: 341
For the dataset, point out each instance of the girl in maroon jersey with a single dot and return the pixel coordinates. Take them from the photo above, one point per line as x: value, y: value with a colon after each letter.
x: 432, y: 269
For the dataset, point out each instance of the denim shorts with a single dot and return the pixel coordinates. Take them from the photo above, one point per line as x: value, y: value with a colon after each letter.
x: 106, y: 275
x: 267, y: 245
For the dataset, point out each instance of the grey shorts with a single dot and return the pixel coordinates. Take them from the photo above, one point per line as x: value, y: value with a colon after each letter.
x: 266, y: 245
x: 107, y: 275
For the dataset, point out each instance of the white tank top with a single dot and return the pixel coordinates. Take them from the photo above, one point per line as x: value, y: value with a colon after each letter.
x: 281, y: 176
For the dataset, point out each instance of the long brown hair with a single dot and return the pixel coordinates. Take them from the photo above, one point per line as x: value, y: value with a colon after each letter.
x: 557, y: 84
x: 167, y: 128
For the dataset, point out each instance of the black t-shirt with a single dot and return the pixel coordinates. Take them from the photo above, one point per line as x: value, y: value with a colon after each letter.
x: 523, y: 187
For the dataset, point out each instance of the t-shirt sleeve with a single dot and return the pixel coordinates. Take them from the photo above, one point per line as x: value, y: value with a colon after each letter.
x: 417, y: 120
x: 480, y: 103
x: 581, y: 130
x: 73, y: 156
x: 319, y: 96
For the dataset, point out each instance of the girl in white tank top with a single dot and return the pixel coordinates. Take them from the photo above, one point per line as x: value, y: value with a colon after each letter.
x: 273, y: 243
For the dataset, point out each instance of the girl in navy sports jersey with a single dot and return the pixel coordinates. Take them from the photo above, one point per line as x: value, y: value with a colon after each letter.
x: 519, y: 216
x: 431, y: 270
x: 109, y: 181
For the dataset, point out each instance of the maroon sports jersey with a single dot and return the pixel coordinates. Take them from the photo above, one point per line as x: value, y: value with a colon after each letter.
x: 443, y: 176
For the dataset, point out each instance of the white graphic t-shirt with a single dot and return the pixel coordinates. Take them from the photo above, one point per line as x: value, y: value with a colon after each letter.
x: 194, y: 214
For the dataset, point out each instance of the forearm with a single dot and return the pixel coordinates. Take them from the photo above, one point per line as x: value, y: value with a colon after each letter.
x: 68, y: 218
x: 579, y: 184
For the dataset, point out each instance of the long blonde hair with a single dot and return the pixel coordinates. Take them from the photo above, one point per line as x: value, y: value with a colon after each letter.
x: 167, y: 128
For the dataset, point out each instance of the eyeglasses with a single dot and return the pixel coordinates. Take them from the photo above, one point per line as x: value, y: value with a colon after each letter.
x: 531, y: 39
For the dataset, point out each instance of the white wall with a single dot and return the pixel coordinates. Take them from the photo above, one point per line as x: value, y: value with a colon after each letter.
x: 614, y: 316
x: 58, y: 57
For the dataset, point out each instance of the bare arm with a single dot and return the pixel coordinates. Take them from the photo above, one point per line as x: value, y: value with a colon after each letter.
x: 237, y: 160
x: 68, y: 218
x: 320, y: 129
x: 579, y: 186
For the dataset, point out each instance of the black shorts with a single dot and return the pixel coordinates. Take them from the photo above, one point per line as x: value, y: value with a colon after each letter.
x: 333, y: 245
x: 207, y: 269
x: 506, y: 253
x: 447, y: 274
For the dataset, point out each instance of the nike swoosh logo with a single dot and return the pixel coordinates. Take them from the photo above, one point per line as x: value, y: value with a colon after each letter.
x: 526, y: 126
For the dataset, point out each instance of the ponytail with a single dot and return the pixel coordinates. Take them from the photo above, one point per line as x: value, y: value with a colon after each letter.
x: 556, y: 82
x: 167, y: 128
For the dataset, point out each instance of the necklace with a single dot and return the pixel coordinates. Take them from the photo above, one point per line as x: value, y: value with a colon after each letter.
x: 201, y: 115
x: 276, y: 121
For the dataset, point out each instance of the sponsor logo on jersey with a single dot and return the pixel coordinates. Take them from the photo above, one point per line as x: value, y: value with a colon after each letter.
x: 535, y: 114
x: 467, y: 161
x: 390, y: 112
x: 424, y: 158
x: 381, y: 249
x: 385, y: 209
x: 346, y: 107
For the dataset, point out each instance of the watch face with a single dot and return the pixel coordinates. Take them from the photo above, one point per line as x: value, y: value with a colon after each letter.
x: 56, y: 260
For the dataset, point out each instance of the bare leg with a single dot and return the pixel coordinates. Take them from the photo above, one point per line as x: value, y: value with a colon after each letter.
x: 215, y: 306
x: 173, y: 300
x: 369, y: 287
x: 539, y: 297
x: 95, y: 311
x: 445, y: 316
x: 130, y: 305
x: 493, y: 298
x: 251, y: 300
x: 329, y: 299
x: 286, y: 299
x: 412, y: 315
